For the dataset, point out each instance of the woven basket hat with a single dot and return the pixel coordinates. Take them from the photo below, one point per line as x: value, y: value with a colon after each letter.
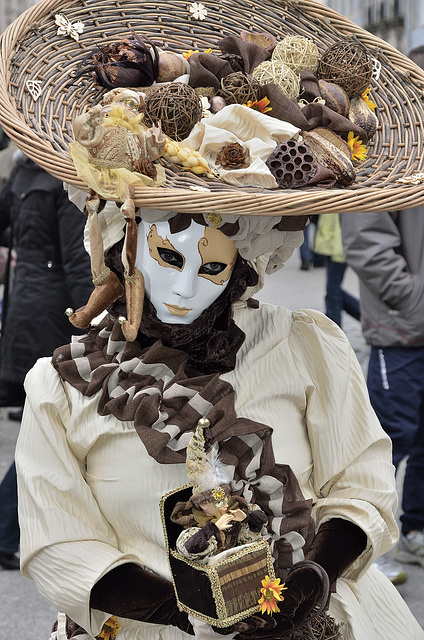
x: 35, y: 59
x: 39, y: 103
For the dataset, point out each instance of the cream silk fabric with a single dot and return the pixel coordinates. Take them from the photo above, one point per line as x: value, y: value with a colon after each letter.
x: 89, y: 493
x: 255, y: 131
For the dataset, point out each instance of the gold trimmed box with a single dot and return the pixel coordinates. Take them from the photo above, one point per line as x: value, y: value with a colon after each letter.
x: 221, y: 593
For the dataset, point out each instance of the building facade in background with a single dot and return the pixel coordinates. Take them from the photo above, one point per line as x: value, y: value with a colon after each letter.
x: 398, y: 22
x: 11, y: 9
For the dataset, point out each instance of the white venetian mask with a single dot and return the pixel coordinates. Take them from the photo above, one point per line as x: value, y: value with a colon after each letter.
x: 184, y: 272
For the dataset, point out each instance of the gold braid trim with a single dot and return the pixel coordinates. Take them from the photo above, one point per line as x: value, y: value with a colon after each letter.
x: 130, y: 279
x: 101, y: 277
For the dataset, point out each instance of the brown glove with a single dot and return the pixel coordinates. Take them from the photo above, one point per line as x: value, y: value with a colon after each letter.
x: 337, y: 544
x: 128, y: 591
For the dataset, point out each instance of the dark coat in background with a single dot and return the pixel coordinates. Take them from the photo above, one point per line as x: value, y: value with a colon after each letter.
x: 52, y: 268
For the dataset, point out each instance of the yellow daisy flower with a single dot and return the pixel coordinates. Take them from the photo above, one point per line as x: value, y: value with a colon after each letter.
x: 271, y: 593
x: 359, y: 149
x: 259, y: 105
x: 366, y: 97
x: 190, y: 52
x: 110, y: 629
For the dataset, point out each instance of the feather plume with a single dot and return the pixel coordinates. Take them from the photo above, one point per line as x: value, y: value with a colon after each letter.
x: 206, y: 471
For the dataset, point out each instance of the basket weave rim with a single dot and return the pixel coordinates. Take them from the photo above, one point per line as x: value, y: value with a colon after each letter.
x: 242, y: 201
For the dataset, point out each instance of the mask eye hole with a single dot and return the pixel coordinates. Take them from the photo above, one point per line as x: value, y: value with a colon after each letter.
x: 212, y: 268
x: 173, y: 258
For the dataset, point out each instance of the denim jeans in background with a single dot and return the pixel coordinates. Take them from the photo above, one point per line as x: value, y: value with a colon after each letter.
x: 396, y: 387
x: 9, y: 527
x: 336, y: 298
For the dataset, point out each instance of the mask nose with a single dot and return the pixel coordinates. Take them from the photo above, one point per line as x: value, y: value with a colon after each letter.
x: 185, y: 284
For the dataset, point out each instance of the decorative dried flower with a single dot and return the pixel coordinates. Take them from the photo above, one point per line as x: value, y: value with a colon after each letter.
x: 67, y: 28
x: 415, y: 178
x: 110, y: 629
x: 359, y: 149
x: 35, y: 87
x: 271, y: 593
x: 198, y: 11
x: 233, y: 156
x: 187, y: 54
x: 366, y: 97
x: 206, y: 105
x: 146, y: 167
x: 259, y: 105
x: 127, y: 63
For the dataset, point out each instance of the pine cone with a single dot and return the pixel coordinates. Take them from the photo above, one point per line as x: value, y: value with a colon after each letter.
x: 146, y: 167
x: 233, y: 156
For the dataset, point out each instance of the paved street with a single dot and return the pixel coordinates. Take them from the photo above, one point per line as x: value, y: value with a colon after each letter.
x: 25, y: 615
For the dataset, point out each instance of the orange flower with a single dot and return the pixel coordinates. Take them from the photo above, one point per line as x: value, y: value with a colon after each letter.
x: 190, y: 52
x: 359, y: 149
x: 365, y: 96
x: 271, y: 593
x: 110, y: 629
x: 259, y: 105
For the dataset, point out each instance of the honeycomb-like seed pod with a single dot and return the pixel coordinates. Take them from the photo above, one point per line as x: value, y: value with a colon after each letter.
x: 292, y: 164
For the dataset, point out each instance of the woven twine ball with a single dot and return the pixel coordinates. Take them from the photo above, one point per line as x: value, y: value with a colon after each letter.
x: 279, y: 74
x: 297, y: 52
x: 238, y: 88
x: 292, y: 164
x: 177, y: 106
x: 347, y: 64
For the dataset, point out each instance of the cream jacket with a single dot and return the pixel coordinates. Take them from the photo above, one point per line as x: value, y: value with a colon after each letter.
x: 89, y: 492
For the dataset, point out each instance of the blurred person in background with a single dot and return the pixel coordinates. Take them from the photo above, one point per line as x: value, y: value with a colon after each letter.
x: 52, y: 273
x: 386, y: 252
x: 328, y: 243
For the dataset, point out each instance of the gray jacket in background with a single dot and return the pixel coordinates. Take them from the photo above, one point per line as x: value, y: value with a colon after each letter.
x: 386, y: 250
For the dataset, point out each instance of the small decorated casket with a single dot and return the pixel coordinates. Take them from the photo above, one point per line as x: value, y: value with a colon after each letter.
x: 226, y: 589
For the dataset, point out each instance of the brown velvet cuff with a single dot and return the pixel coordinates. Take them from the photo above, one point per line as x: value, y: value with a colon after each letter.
x: 128, y: 591
x: 199, y: 541
x: 255, y: 520
x: 336, y: 545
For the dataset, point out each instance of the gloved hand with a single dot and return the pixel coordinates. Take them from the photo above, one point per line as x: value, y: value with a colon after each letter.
x: 306, y: 596
x: 337, y: 544
x: 128, y: 591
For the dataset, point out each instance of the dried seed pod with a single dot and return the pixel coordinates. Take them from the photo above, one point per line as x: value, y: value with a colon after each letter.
x: 171, y: 66
x: 361, y: 115
x: 335, y: 139
x: 335, y: 97
x: 331, y: 157
x: 263, y: 39
x: 292, y: 164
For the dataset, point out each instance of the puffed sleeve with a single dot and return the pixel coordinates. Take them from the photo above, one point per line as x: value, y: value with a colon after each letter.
x: 66, y: 543
x: 353, y: 475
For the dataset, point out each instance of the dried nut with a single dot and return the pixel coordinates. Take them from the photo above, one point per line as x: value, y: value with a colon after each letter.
x: 331, y: 157
x: 171, y: 66
x: 361, y: 115
x: 335, y: 97
x: 217, y: 103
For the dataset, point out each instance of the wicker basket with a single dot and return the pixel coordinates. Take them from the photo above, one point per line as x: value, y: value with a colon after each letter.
x: 32, y: 51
